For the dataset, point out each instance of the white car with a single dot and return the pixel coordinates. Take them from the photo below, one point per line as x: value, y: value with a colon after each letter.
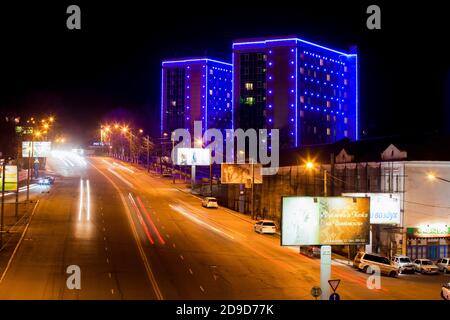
x: 265, y: 226
x: 425, y: 266
x: 369, y: 262
x: 210, y: 202
x: 444, y: 265
x: 403, y: 263
x: 445, y: 291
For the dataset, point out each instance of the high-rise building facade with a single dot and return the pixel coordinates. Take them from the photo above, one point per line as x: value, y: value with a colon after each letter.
x: 196, y: 89
x: 308, y: 91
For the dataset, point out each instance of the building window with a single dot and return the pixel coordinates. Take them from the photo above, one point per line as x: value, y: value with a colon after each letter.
x: 328, y: 117
x: 250, y: 101
x: 328, y: 104
x: 302, y: 99
x: 321, y: 62
x: 315, y: 130
x: 211, y: 71
x: 345, y: 81
x: 345, y: 68
x: 174, y: 103
x: 328, y: 131
x: 249, y: 86
x: 210, y: 92
x: 328, y: 77
x: 302, y: 71
x: 345, y: 133
x: 302, y: 113
x: 345, y: 120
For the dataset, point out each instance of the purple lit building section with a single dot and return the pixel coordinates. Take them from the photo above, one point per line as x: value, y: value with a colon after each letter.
x: 196, y: 89
x: 308, y: 91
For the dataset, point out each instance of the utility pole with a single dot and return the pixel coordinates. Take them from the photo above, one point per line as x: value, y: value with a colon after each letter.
x: 173, y: 162
x: 324, y: 182
x: 210, y: 177
x: 3, y: 201
x: 148, y: 153
x: 16, y: 209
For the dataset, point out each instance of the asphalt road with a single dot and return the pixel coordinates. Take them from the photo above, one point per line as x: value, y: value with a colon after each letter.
x: 143, y: 238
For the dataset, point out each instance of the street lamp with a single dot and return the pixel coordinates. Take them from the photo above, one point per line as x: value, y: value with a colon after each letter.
x: 432, y: 176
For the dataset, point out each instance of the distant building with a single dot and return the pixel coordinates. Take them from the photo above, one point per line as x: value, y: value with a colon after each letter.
x: 308, y: 91
x: 196, y: 89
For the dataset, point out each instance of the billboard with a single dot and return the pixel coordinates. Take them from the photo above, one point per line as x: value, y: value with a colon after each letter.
x: 324, y: 221
x: 41, y: 149
x: 384, y: 207
x: 10, y: 178
x: 193, y: 157
x: 231, y: 173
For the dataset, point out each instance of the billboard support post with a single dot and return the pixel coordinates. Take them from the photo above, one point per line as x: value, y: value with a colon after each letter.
x: 192, y: 177
x: 253, y: 191
x: 325, y: 271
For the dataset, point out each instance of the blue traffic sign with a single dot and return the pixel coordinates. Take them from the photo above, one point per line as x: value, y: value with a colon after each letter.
x: 335, y: 296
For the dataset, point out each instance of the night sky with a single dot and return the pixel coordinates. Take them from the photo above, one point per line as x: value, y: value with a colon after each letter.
x: 111, y: 68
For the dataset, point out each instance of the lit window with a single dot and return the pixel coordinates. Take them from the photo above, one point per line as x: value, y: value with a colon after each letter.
x: 328, y: 77
x: 250, y: 101
x: 345, y: 81
x: 345, y: 68
x: 302, y: 99
x: 174, y: 103
x: 328, y: 117
x: 210, y: 92
x: 334, y: 118
x: 302, y: 71
x: 228, y: 94
x: 249, y: 86
x: 345, y: 133
x: 211, y: 71
x: 345, y: 120
x: 328, y: 131
x: 315, y: 130
x: 328, y: 104
x: 321, y: 62
x: 315, y: 74
x: 302, y: 113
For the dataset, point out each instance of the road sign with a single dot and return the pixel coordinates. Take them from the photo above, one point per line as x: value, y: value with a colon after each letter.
x: 335, y: 296
x: 316, y: 292
x: 334, y: 284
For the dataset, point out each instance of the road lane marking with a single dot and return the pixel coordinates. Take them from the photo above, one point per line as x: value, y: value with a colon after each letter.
x: 181, y: 257
x: 201, y: 288
x: 167, y: 235
x: 80, y: 209
x: 19, y: 243
x: 173, y: 245
x: 88, y: 200
x: 190, y: 271
x: 149, y: 271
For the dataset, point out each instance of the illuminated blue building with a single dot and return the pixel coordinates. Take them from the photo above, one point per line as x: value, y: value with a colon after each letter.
x: 196, y: 89
x: 308, y: 91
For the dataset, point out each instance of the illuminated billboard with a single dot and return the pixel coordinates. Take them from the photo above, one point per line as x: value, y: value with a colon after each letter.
x: 384, y: 207
x: 193, y: 157
x: 10, y: 178
x: 324, y: 221
x: 41, y: 149
x: 240, y: 173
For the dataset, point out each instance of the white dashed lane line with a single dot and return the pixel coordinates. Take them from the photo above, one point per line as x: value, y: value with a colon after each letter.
x: 201, y: 288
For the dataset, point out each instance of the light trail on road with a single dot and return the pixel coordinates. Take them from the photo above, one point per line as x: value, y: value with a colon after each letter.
x: 88, y: 200
x: 181, y: 210
x: 80, y: 209
x: 150, y: 220
x: 141, y: 220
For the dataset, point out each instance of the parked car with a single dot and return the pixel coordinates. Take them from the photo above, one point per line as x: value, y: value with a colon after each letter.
x: 46, y: 180
x: 370, y: 261
x: 444, y: 265
x: 167, y: 173
x: 210, y: 202
x: 403, y: 263
x: 265, y: 226
x: 425, y: 266
x: 445, y: 291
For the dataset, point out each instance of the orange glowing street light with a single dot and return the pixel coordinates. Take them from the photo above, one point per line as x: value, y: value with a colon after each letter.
x: 309, y: 165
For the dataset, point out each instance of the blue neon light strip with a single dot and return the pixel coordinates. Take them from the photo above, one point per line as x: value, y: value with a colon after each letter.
x: 232, y: 92
x: 162, y: 101
x: 206, y: 98
x: 288, y: 39
x: 296, y: 98
x: 203, y: 60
